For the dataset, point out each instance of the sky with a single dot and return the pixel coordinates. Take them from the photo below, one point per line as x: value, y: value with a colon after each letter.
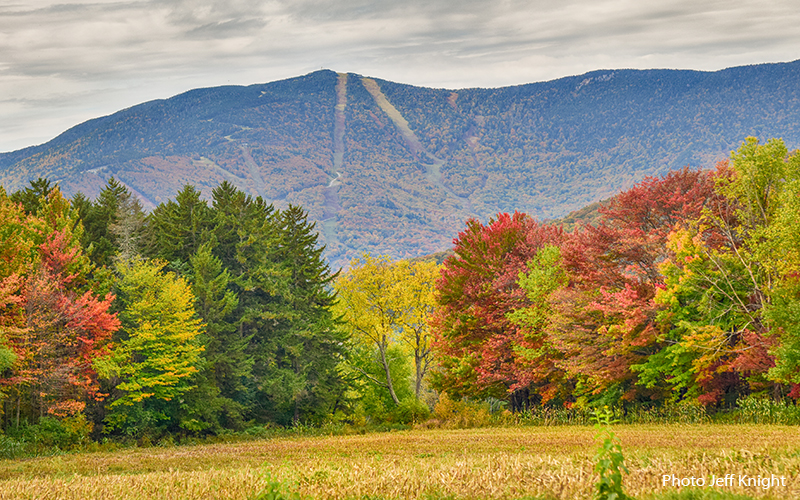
x: 64, y: 62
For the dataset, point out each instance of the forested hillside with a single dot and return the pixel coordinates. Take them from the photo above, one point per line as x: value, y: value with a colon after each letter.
x: 395, y: 169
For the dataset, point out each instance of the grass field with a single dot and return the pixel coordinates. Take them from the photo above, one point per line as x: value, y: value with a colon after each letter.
x: 514, y: 462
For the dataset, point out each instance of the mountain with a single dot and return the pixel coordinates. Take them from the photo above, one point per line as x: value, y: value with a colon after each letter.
x: 397, y: 169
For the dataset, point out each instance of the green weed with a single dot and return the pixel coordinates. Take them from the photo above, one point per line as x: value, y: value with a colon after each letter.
x: 609, y: 462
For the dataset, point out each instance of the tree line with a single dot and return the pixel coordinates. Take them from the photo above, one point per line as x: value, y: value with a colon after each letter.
x: 687, y: 288
x: 203, y: 315
x: 196, y: 317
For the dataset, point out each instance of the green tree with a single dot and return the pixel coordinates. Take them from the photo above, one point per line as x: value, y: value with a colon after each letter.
x: 243, y: 228
x: 227, y: 363
x: 306, y: 344
x: 282, y: 284
x: 99, y: 238
x: 723, y: 275
x: 177, y: 229
x: 33, y: 196
x: 245, y: 240
x: 535, y: 349
x: 767, y: 182
x: 158, y: 350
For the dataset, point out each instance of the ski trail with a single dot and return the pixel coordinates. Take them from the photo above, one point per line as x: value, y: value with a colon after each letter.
x: 227, y: 174
x: 335, y: 181
x: 433, y: 170
x: 399, y: 121
x: 338, y: 122
x: 254, y: 173
x: 331, y: 204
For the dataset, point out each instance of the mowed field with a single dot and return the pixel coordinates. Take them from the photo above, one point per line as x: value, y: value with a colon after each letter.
x: 512, y: 462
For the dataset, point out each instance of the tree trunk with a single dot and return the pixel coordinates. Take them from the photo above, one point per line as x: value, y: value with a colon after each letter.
x: 418, y: 381
x: 389, y: 384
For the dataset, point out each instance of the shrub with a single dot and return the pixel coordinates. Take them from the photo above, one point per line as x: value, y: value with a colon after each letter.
x: 463, y: 414
x: 412, y: 411
x: 65, y: 434
x: 276, y: 490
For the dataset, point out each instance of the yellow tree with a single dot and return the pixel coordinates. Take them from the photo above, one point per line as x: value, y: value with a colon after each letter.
x: 153, y: 361
x: 415, y: 283
x: 385, y: 305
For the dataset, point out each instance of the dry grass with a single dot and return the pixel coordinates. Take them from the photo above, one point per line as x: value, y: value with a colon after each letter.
x: 480, y: 463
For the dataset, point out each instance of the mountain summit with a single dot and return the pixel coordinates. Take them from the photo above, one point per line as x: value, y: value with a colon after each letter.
x: 396, y: 169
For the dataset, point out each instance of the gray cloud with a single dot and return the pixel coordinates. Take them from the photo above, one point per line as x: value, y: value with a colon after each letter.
x: 63, y: 61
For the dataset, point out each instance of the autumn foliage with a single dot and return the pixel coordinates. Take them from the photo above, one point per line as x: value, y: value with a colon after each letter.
x: 53, y: 321
x: 201, y: 317
x: 675, y: 292
x: 477, y: 342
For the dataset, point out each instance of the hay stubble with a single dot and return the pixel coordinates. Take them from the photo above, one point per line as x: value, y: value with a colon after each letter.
x: 477, y: 463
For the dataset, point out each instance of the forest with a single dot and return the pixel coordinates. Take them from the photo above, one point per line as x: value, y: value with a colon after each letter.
x: 206, y: 317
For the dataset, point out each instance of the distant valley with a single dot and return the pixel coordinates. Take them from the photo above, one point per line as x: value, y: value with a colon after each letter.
x: 396, y: 169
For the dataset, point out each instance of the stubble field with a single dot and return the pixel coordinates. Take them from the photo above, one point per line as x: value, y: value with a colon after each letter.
x: 505, y: 463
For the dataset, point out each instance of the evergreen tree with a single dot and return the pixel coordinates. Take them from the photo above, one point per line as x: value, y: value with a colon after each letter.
x: 32, y: 197
x: 99, y: 237
x: 227, y: 363
x: 177, y: 229
x: 245, y: 234
x: 242, y: 226
x: 308, y: 342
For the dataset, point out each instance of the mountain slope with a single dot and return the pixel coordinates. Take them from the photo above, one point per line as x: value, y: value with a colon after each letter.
x: 396, y: 169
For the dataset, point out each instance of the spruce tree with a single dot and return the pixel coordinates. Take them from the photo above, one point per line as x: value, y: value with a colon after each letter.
x: 227, y: 364
x: 308, y: 341
x: 99, y: 238
x: 177, y: 229
x: 32, y: 197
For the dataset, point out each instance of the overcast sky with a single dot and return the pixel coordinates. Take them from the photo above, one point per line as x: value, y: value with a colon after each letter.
x: 63, y: 62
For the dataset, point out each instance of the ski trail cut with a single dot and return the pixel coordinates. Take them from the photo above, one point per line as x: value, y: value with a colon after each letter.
x: 331, y: 204
x: 433, y: 170
x: 254, y: 173
x: 399, y: 121
x: 338, y: 122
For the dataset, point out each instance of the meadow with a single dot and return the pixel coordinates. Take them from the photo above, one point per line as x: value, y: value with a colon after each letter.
x: 502, y: 462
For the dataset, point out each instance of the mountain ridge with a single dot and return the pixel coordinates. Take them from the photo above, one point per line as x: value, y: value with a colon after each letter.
x: 396, y: 169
